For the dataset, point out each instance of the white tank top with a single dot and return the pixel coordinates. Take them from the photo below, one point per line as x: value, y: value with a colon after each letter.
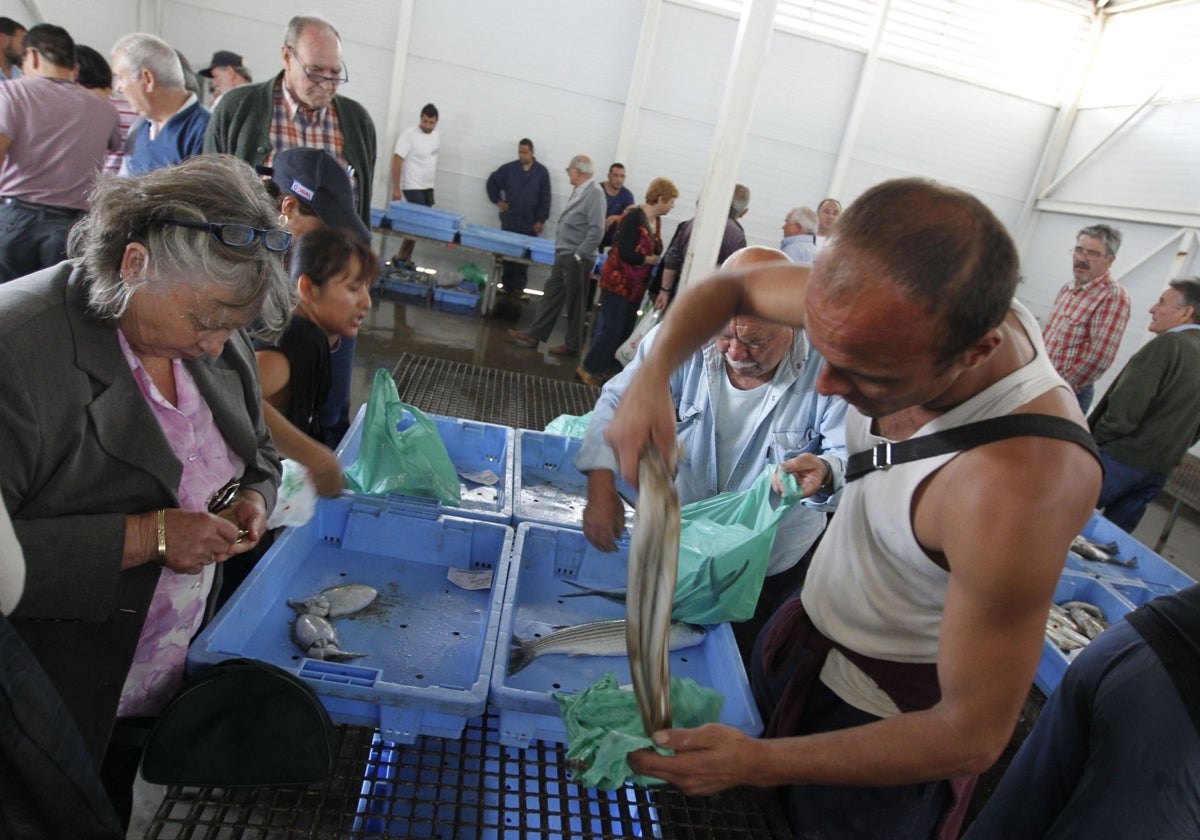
x: 871, y: 586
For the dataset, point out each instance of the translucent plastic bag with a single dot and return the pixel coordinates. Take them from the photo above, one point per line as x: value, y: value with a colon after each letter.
x: 569, y: 425
x: 724, y: 545
x: 401, y: 451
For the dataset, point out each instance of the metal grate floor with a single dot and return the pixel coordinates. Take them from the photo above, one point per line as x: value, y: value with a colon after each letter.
x: 457, y: 389
x: 470, y: 788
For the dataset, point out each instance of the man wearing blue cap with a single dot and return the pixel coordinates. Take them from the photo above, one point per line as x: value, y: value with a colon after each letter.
x: 227, y: 70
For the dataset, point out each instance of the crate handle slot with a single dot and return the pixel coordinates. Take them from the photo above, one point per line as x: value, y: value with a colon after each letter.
x: 338, y: 672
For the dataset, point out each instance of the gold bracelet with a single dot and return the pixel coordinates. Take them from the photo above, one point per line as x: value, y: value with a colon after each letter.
x: 162, y: 535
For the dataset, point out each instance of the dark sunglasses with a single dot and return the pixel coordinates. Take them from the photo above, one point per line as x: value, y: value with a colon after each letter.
x: 235, y: 235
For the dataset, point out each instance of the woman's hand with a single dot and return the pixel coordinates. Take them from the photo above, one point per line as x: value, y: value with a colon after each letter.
x: 663, y: 300
x: 651, y: 259
x: 249, y: 514
x: 194, y: 539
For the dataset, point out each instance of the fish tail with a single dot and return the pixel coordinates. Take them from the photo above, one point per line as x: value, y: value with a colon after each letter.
x: 520, y: 656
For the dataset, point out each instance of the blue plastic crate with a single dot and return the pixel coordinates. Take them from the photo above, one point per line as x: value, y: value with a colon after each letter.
x: 429, y: 643
x: 544, y: 558
x: 541, y: 250
x: 1076, y: 587
x: 494, y: 239
x: 475, y: 789
x: 403, y: 214
x: 1152, y: 569
x: 410, y: 289
x: 379, y: 218
x: 475, y: 449
x: 463, y: 298
x: 547, y: 488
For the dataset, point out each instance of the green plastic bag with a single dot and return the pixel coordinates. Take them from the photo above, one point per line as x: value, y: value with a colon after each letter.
x: 401, y: 451
x: 568, y: 425
x: 472, y: 274
x: 724, y: 546
x: 604, y: 725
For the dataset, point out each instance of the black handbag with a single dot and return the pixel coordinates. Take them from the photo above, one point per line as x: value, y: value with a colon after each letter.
x: 242, y: 723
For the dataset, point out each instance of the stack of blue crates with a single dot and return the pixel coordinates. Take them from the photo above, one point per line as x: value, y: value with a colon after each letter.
x: 462, y: 298
x: 496, y: 240
x: 541, y: 250
x: 406, y: 217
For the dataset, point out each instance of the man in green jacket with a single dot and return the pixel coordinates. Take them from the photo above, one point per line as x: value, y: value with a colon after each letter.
x: 1151, y: 414
x: 300, y: 107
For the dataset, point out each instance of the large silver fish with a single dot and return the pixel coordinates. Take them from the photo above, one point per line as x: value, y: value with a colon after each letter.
x: 318, y: 639
x: 1096, y: 552
x: 595, y: 638
x: 337, y: 601
x: 650, y: 589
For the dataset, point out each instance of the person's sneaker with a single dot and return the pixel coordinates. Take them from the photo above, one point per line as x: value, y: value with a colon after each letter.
x: 561, y: 350
x: 522, y: 337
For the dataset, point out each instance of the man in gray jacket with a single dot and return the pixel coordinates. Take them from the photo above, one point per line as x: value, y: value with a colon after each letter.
x: 580, y: 228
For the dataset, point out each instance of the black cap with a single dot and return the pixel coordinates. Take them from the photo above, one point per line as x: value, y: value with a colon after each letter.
x: 315, y: 177
x: 222, y: 58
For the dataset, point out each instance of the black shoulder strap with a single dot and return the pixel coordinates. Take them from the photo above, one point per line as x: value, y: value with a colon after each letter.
x: 960, y: 438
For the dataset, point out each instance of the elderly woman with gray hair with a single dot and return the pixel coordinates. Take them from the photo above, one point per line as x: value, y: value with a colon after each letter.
x: 133, y: 453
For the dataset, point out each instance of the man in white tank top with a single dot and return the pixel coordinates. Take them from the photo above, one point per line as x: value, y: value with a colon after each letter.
x: 934, y: 575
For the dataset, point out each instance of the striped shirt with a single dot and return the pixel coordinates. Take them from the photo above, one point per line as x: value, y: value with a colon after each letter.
x: 294, y: 125
x: 1085, y: 329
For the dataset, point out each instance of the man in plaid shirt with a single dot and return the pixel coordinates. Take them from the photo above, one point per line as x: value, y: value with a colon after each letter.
x: 1089, y: 314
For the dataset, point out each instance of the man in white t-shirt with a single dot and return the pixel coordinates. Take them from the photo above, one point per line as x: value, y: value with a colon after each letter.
x: 413, y: 167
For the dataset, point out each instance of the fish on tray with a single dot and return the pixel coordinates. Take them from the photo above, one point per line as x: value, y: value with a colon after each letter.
x: 1100, y: 552
x: 594, y: 638
x: 336, y: 601
x: 318, y: 639
x: 1073, y: 625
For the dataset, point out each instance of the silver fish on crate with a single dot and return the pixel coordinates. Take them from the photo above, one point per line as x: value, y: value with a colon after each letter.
x: 1074, y: 624
x: 650, y: 589
x: 318, y: 639
x: 594, y: 638
x: 337, y: 601
x: 1100, y: 552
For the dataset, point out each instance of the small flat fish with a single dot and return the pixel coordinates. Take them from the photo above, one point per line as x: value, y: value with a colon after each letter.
x: 337, y: 601
x: 318, y: 639
x: 594, y: 638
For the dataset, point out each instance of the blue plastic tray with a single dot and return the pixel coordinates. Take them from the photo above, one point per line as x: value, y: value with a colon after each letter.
x: 406, y: 288
x: 463, y: 298
x: 1076, y: 587
x: 544, y: 557
x: 404, y: 213
x: 1152, y: 569
x: 493, y: 239
x: 547, y: 486
x: 541, y: 250
x: 429, y: 643
x: 473, y: 448
x: 442, y: 234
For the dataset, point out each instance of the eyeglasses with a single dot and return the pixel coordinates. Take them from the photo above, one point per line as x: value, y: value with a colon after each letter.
x: 1091, y: 254
x: 316, y: 78
x: 234, y: 235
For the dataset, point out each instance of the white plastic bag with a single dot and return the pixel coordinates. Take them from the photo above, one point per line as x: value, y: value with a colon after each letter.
x: 297, y: 500
x: 628, y: 350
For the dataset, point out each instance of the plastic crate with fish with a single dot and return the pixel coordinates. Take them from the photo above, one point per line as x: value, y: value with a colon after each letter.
x: 426, y: 641
x: 549, y: 565
x: 1090, y: 590
x: 406, y: 217
x: 547, y: 488
x: 1135, y: 563
x: 483, y: 455
x: 494, y: 239
x: 462, y: 299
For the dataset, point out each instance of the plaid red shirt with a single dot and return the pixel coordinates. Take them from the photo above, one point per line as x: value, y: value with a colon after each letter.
x: 1085, y: 329
x: 294, y: 125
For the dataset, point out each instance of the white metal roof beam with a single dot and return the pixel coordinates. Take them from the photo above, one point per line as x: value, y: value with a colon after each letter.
x: 858, y: 107
x: 631, y: 119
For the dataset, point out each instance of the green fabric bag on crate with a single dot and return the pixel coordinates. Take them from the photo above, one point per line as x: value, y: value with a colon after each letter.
x: 401, y: 450
x: 724, y: 546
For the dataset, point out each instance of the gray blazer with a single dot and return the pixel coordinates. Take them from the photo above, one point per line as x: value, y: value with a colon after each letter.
x: 79, y: 450
x: 581, y: 225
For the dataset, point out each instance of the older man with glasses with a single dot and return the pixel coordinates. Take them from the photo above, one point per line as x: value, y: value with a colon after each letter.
x: 301, y: 107
x: 1089, y: 315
